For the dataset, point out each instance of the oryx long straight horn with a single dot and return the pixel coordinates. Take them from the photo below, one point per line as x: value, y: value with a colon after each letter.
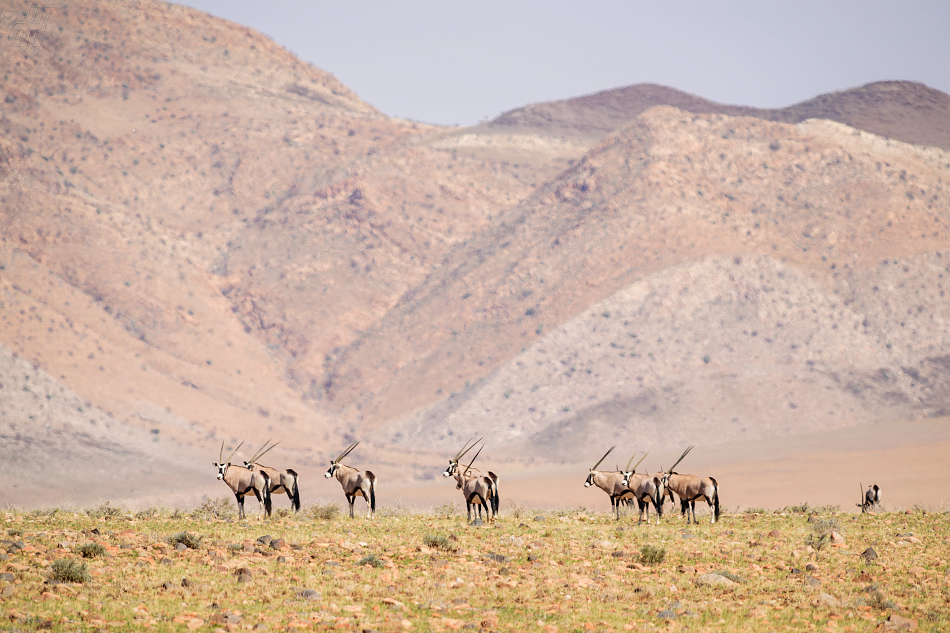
x: 482, y: 491
x: 355, y: 483
x: 281, y: 481
x: 609, y: 482
x: 454, y: 462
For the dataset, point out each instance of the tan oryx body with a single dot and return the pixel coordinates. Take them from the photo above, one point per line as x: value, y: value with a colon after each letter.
x: 453, y: 469
x: 243, y: 482
x: 872, y: 497
x: 689, y: 488
x: 477, y: 489
x: 281, y: 481
x: 644, y: 489
x: 355, y: 483
x: 610, y: 482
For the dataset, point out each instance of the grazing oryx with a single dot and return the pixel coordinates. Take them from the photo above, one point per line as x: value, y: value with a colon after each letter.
x: 453, y: 468
x: 355, y: 484
x: 689, y: 488
x: 609, y: 482
x: 643, y: 488
x: 478, y: 489
x: 871, y: 498
x: 281, y: 481
x: 243, y: 482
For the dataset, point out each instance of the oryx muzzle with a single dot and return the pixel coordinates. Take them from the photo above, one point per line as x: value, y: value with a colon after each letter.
x: 355, y: 483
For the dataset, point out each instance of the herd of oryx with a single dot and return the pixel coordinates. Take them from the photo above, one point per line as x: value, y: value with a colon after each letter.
x: 622, y: 486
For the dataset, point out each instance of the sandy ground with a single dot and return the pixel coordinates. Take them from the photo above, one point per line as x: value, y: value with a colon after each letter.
x: 910, y: 461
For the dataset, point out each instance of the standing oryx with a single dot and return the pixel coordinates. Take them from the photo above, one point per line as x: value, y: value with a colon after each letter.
x: 871, y: 498
x: 281, y: 481
x: 243, y: 482
x: 355, y: 484
x: 644, y: 489
x: 453, y: 468
x: 478, y: 489
x: 689, y: 488
x: 610, y: 482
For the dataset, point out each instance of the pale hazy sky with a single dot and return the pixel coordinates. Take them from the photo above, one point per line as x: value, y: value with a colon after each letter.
x: 458, y: 63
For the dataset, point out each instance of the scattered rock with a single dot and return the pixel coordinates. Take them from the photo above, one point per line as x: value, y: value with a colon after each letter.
x: 309, y: 594
x: 532, y: 558
x: 666, y: 614
x: 602, y: 545
x: 168, y: 585
x: 775, y: 534
x: 827, y: 600
x: 811, y: 567
x: 264, y: 540
x: 225, y: 618
x: 714, y: 580
x: 278, y: 543
x: 686, y: 569
x: 187, y: 583
x: 901, y: 623
x: 7, y: 576
x: 618, y: 554
x: 811, y: 581
x: 869, y: 554
x: 644, y: 592
x: 180, y: 546
x: 476, y: 523
x: 795, y: 570
x: 260, y: 626
x: 836, y: 538
x: 243, y: 574
x: 498, y: 558
x: 281, y: 559
x: 7, y: 591
x: 687, y: 535
x: 166, y: 561
x: 539, y: 518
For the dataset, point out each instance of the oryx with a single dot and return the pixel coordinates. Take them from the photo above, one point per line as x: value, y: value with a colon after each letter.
x: 689, y: 488
x: 453, y: 468
x: 477, y: 489
x: 281, y: 481
x: 871, y: 498
x: 609, y: 482
x: 644, y: 489
x: 355, y: 484
x: 243, y: 482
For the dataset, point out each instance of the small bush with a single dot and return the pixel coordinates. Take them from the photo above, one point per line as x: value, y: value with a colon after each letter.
x: 652, y: 555
x: 105, y: 511
x: 148, y: 513
x: 91, y: 550
x: 447, y: 510
x: 66, y: 570
x: 323, y: 511
x: 371, y: 559
x: 189, y: 540
x: 220, y: 508
x: 818, y: 541
x: 15, y: 532
x: 438, y: 541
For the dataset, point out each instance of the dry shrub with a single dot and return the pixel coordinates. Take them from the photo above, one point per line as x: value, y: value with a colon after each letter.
x: 91, y: 550
x: 66, y: 570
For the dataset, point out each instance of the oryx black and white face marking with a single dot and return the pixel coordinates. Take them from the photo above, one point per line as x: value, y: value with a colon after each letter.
x: 332, y: 470
x: 453, y: 466
x: 590, y: 480
x: 222, y: 468
x: 626, y: 478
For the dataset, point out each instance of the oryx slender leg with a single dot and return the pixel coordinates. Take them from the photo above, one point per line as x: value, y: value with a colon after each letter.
x: 240, y: 505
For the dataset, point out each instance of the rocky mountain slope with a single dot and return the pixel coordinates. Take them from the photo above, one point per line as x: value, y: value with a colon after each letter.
x: 204, y: 236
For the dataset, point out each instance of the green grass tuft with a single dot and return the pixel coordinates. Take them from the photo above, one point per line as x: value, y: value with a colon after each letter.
x: 189, y: 540
x: 91, y: 550
x: 372, y: 560
x: 66, y: 570
x: 652, y: 555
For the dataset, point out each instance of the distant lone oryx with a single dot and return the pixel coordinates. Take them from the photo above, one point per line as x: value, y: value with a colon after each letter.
x: 453, y: 469
x: 478, y: 490
x: 689, y: 488
x: 872, y: 498
x: 281, y: 481
x: 355, y: 484
x: 243, y: 482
